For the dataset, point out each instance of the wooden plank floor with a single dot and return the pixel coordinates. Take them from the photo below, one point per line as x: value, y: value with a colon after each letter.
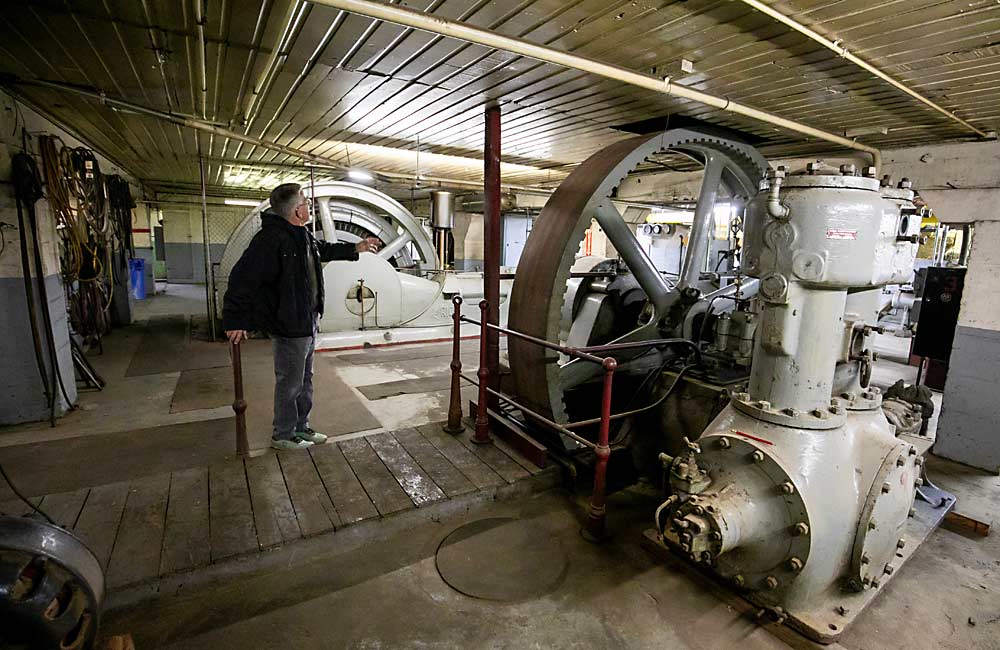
x: 179, y: 521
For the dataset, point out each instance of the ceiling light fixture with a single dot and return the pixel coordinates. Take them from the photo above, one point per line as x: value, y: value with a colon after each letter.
x: 244, y: 202
x: 360, y: 175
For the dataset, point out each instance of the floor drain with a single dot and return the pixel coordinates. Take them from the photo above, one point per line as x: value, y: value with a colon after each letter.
x: 501, y: 559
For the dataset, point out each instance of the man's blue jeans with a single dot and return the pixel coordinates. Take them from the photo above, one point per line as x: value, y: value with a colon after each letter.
x: 293, y: 387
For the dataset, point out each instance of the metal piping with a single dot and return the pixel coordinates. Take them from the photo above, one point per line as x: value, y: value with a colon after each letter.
x: 319, y: 162
x: 455, y: 29
x: 250, y: 101
x: 199, y: 21
x: 181, y: 120
x: 841, y: 51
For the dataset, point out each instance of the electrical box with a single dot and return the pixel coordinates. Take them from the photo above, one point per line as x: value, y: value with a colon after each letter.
x: 939, y: 306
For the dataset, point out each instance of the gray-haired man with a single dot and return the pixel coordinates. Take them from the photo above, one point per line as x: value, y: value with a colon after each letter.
x: 277, y: 287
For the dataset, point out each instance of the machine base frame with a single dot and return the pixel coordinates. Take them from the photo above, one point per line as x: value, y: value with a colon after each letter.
x: 817, y: 624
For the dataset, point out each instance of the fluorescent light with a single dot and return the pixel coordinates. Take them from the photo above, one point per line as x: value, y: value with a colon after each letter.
x: 360, y: 175
x: 246, y: 202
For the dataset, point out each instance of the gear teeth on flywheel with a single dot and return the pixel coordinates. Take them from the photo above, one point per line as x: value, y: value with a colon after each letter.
x: 534, y: 375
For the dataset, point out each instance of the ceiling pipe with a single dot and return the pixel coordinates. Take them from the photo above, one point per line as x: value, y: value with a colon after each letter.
x: 180, y: 120
x: 841, y: 51
x: 252, y: 98
x: 199, y: 21
x: 319, y: 162
x: 455, y: 29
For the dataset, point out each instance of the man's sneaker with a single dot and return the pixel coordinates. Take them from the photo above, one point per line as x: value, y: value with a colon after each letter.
x: 314, y: 437
x: 297, y: 442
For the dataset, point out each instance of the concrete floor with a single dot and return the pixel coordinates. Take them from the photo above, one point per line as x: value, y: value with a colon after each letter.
x: 388, y: 593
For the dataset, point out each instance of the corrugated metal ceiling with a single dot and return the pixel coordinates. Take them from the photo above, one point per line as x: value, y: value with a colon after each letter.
x: 390, y: 98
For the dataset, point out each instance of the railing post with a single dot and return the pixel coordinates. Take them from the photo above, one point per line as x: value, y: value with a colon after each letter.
x: 595, y: 530
x: 454, y: 425
x: 482, y: 433
x: 239, y: 403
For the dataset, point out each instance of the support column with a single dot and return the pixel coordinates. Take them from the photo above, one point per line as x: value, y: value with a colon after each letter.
x: 492, y: 230
x: 209, y: 274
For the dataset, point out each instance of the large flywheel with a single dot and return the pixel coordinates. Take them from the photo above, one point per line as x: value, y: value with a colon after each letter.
x: 543, y: 296
x: 347, y: 212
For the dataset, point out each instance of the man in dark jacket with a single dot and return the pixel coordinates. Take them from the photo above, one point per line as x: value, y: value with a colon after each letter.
x: 277, y: 288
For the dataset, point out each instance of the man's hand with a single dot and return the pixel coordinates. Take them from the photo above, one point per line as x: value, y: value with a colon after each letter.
x: 235, y: 336
x: 368, y: 245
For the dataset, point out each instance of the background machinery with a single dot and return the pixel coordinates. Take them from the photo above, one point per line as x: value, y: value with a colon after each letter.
x: 400, y: 294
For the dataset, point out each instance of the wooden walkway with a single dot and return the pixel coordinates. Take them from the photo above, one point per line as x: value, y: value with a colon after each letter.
x: 169, y: 523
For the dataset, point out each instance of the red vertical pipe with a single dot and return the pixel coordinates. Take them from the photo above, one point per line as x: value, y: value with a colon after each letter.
x: 454, y: 425
x: 482, y: 433
x: 595, y: 527
x: 491, y: 229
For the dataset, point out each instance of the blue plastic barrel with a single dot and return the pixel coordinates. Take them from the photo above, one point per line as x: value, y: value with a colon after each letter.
x: 137, y: 275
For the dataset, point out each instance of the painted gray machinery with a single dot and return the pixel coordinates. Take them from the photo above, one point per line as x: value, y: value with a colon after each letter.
x: 799, y: 484
x: 800, y: 491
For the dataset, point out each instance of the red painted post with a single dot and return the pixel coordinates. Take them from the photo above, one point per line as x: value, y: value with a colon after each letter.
x: 491, y: 242
x: 454, y: 425
x: 239, y: 403
x: 595, y: 530
x: 482, y: 433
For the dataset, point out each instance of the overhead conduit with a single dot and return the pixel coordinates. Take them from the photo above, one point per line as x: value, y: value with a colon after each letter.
x: 841, y: 51
x: 455, y: 29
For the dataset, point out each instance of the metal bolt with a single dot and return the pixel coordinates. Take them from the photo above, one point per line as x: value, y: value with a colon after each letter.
x: 869, y: 171
x: 771, y: 582
x: 795, y: 564
x: 801, y: 528
x: 871, y: 524
x: 843, y: 611
x: 790, y: 412
x: 757, y: 456
x: 912, y: 451
x: 787, y: 488
x: 919, y: 482
x: 875, y: 583
x: 813, y: 167
x: 900, y: 462
x: 905, y: 183
x: 918, y: 461
x: 706, y: 557
x: 912, y: 513
x: 886, y: 181
x: 715, y: 536
x: 819, y: 413
x: 738, y: 580
x: 681, y: 523
x: 763, y: 404
x: 889, y: 569
x: 886, y: 487
x: 901, y: 543
x: 725, y: 443
x: 698, y: 510
x: 847, y: 170
x: 865, y: 559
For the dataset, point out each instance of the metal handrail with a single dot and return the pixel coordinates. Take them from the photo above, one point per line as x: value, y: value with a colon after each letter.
x: 596, y: 518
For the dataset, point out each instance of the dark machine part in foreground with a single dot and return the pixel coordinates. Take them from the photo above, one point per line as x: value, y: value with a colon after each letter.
x: 787, y: 474
x: 51, y: 587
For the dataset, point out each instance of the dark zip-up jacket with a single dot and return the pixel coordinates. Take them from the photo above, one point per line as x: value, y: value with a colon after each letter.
x: 269, y: 288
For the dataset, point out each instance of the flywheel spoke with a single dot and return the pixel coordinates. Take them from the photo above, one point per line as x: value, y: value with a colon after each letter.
x: 646, y: 274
